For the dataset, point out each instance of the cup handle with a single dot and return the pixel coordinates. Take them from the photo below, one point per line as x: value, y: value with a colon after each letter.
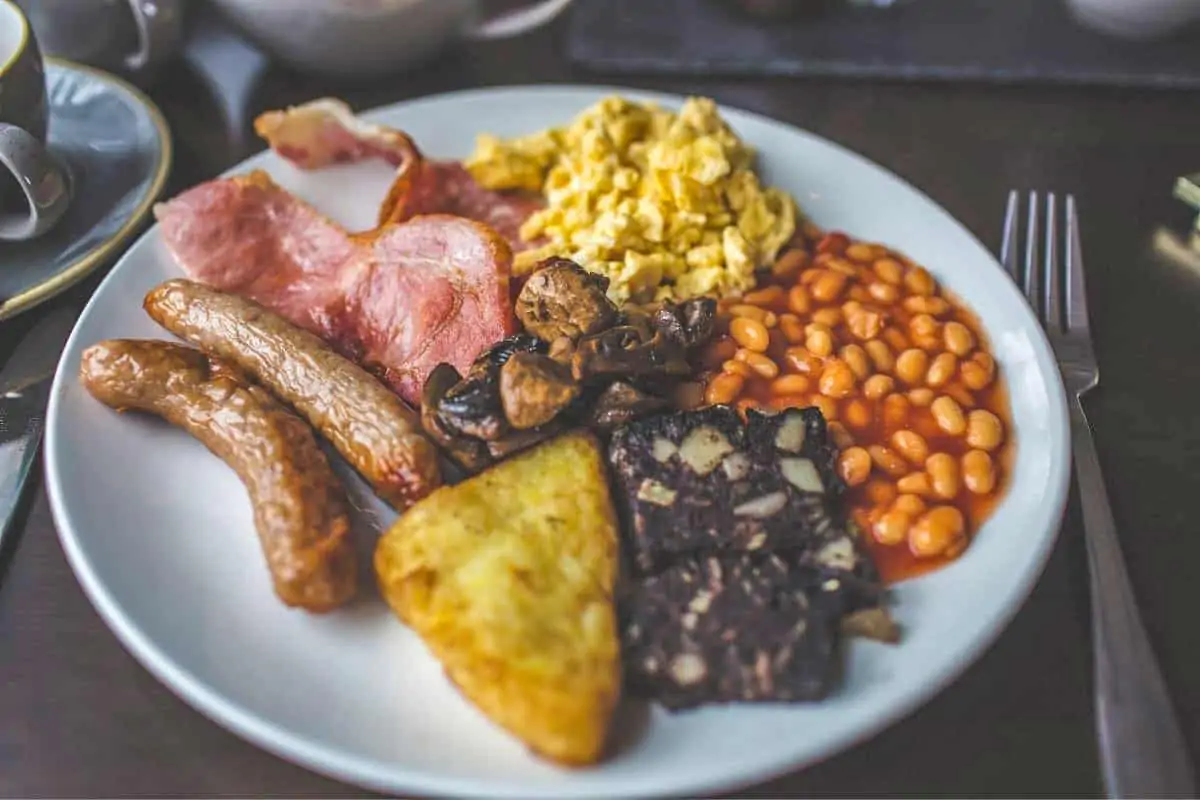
x: 44, y: 183
x: 159, y: 26
x: 519, y: 21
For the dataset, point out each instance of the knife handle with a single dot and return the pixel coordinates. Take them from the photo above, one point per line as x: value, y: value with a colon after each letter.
x: 21, y: 418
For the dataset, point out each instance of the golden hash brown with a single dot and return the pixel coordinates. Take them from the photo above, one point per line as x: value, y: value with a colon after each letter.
x: 508, y: 578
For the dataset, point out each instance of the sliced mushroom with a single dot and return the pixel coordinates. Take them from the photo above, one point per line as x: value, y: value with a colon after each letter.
x: 563, y: 299
x: 690, y: 323
x: 534, y: 388
x: 471, y: 454
x: 473, y: 407
x: 627, y: 351
x: 622, y: 402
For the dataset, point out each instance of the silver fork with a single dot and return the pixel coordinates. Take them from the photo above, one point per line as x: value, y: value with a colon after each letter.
x: 1142, y: 750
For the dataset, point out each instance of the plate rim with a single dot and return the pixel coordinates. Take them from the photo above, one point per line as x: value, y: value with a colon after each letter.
x: 88, y: 262
x: 368, y: 773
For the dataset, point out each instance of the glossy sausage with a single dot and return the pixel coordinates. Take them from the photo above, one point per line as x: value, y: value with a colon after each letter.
x: 368, y: 423
x: 300, y: 508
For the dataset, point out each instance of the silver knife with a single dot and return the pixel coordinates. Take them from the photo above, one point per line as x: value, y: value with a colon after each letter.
x: 24, y: 392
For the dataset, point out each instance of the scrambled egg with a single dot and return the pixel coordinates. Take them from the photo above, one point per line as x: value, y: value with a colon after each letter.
x: 666, y: 205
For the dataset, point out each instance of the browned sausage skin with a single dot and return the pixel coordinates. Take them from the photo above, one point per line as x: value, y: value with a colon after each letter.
x: 300, y: 508
x: 367, y: 423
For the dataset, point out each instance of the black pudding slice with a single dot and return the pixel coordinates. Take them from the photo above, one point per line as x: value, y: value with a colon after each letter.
x: 743, y: 628
x: 701, y: 482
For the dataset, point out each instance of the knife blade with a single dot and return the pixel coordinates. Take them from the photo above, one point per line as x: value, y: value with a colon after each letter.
x: 24, y: 392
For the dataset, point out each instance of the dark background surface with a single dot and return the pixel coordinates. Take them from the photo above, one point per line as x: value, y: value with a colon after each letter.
x: 78, y: 716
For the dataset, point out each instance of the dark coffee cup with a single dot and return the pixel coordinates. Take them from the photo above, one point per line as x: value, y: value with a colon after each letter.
x: 35, y: 191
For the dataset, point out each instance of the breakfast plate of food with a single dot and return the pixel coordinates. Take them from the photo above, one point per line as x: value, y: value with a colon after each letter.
x: 555, y: 442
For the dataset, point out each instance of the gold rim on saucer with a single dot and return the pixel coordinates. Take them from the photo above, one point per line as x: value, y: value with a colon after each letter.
x: 89, y: 261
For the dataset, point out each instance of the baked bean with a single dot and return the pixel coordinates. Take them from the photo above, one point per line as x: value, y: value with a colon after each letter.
x: 843, y: 266
x: 936, y: 531
x: 895, y: 410
x: 943, y: 475
x: 738, y: 368
x: 888, y: 460
x: 765, y: 297
x: 801, y: 360
x: 895, y: 339
x: 857, y: 414
x: 763, y: 365
x: 718, y: 351
x: 860, y: 251
x: 792, y: 328
x: 837, y: 379
x: 921, y: 397
x: 960, y: 394
x: 911, y: 366
x: 883, y: 292
x: 949, y: 415
x: 934, y: 306
x: 889, y: 270
x: 750, y: 334
x: 911, y: 445
x: 856, y: 358
x: 724, y: 388
x: 865, y: 323
x: 770, y: 319
x: 809, y: 275
x: 910, y: 504
x: 798, y: 300
x: 984, y: 431
x: 915, y: 483
x: 919, y: 281
x: 880, y: 493
x: 881, y: 355
x: 827, y: 405
x: 790, y: 384
x: 978, y: 371
x: 878, y: 386
x: 748, y: 311
x: 978, y: 472
x: 942, y: 369
x: 789, y: 263
x: 818, y: 339
x: 828, y: 286
x: 840, y: 436
x: 830, y: 317
x: 854, y: 465
x: 923, y: 326
x: 892, y: 527
x: 833, y: 243
x: 958, y: 338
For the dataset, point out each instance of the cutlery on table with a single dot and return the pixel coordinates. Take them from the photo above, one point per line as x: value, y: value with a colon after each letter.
x: 1142, y: 750
x: 24, y: 392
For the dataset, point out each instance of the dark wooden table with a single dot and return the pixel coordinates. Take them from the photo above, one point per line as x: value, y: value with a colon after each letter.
x: 78, y: 716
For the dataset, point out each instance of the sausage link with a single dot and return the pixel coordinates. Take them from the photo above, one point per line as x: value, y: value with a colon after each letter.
x: 300, y: 509
x: 368, y: 423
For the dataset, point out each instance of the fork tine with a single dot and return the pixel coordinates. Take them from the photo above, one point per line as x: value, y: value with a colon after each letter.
x: 1008, y: 243
x: 1077, y: 310
x: 1032, y: 270
x: 1053, y: 312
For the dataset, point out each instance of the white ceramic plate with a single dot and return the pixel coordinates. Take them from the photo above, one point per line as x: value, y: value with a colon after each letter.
x: 159, y: 532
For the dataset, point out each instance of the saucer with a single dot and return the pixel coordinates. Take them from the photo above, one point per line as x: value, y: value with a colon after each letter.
x: 116, y: 145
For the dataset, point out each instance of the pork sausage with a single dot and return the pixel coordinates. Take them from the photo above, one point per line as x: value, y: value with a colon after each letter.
x: 300, y: 508
x: 368, y: 423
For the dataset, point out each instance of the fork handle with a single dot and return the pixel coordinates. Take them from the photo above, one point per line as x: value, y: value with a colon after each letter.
x: 1142, y: 751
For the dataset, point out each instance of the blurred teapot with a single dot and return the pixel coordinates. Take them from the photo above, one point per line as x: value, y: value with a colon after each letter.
x: 370, y: 38
x: 125, y: 36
